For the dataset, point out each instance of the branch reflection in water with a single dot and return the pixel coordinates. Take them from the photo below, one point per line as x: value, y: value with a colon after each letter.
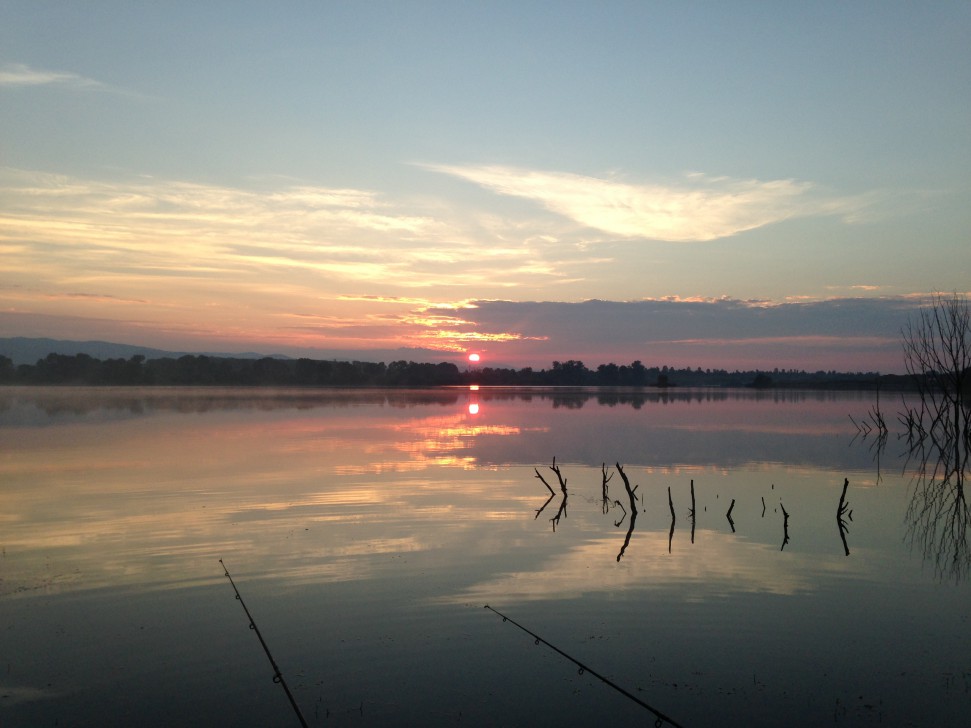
x: 937, y: 443
x: 629, y: 512
x: 938, y: 520
x: 562, y: 509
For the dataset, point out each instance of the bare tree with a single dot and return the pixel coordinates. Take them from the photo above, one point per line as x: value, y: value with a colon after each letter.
x: 937, y: 353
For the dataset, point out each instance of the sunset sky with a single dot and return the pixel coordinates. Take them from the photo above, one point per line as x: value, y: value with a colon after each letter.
x: 742, y: 184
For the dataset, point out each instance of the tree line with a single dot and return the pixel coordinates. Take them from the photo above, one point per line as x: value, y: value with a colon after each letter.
x: 201, y: 370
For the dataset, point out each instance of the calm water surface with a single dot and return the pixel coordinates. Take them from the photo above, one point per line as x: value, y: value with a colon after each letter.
x: 366, y: 530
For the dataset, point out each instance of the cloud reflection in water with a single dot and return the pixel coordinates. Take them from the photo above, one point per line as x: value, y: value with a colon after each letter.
x: 150, y: 487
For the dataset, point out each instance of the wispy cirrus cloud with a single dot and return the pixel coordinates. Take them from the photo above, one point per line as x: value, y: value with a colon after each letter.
x: 299, y: 232
x: 291, y: 263
x: 100, y: 297
x: 19, y: 75
x: 697, y: 208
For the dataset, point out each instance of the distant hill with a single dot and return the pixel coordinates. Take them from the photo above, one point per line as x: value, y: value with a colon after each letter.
x: 25, y: 350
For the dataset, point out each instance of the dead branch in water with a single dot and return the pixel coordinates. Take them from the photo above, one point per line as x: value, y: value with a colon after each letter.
x: 840, y: 512
x: 543, y: 480
x: 691, y: 513
x: 562, y: 509
x: 603, y: 487
x: 671, y: 532
x: 633, y: 509
x: 552, y: 493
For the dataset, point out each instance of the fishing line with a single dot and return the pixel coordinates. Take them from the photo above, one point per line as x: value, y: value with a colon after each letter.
x: 277, y: 675
x: 661, y: 717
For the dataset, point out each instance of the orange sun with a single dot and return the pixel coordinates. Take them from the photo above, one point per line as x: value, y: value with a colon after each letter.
x: 474, y: 357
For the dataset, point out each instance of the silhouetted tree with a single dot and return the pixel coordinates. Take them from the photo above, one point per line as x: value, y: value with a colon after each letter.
x: 762, y: 381
x: 937, y: 354
x: 638, y: 374
x: 608, y: 375
x: 7, y: 370
x: 306, y: 371
x: 64, y: 369
x: 571, y: 372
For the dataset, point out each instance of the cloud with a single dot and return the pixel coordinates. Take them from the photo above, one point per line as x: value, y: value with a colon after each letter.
x: 846, y: 333
x: 60, y: 226
x: 100, y: 297
x: 18, y: 75
x: 295, y: 265
x: 423, y: 302
x: 666, y: 320
x: 697, y: 209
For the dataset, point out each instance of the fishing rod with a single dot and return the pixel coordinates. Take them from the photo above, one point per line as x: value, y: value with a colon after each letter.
x: 661, y: 717
x: 277, y: 675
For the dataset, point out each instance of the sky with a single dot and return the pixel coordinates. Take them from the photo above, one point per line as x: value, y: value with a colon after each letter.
x: 723, y: 185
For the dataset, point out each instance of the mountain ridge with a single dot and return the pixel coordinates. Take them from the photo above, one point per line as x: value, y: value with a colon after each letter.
x: 28, y: 350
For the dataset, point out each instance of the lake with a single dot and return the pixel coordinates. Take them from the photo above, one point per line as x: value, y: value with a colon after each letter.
x: 366, y: 531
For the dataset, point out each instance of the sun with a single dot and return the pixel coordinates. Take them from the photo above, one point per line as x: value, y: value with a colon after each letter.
x: 474, y: 358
